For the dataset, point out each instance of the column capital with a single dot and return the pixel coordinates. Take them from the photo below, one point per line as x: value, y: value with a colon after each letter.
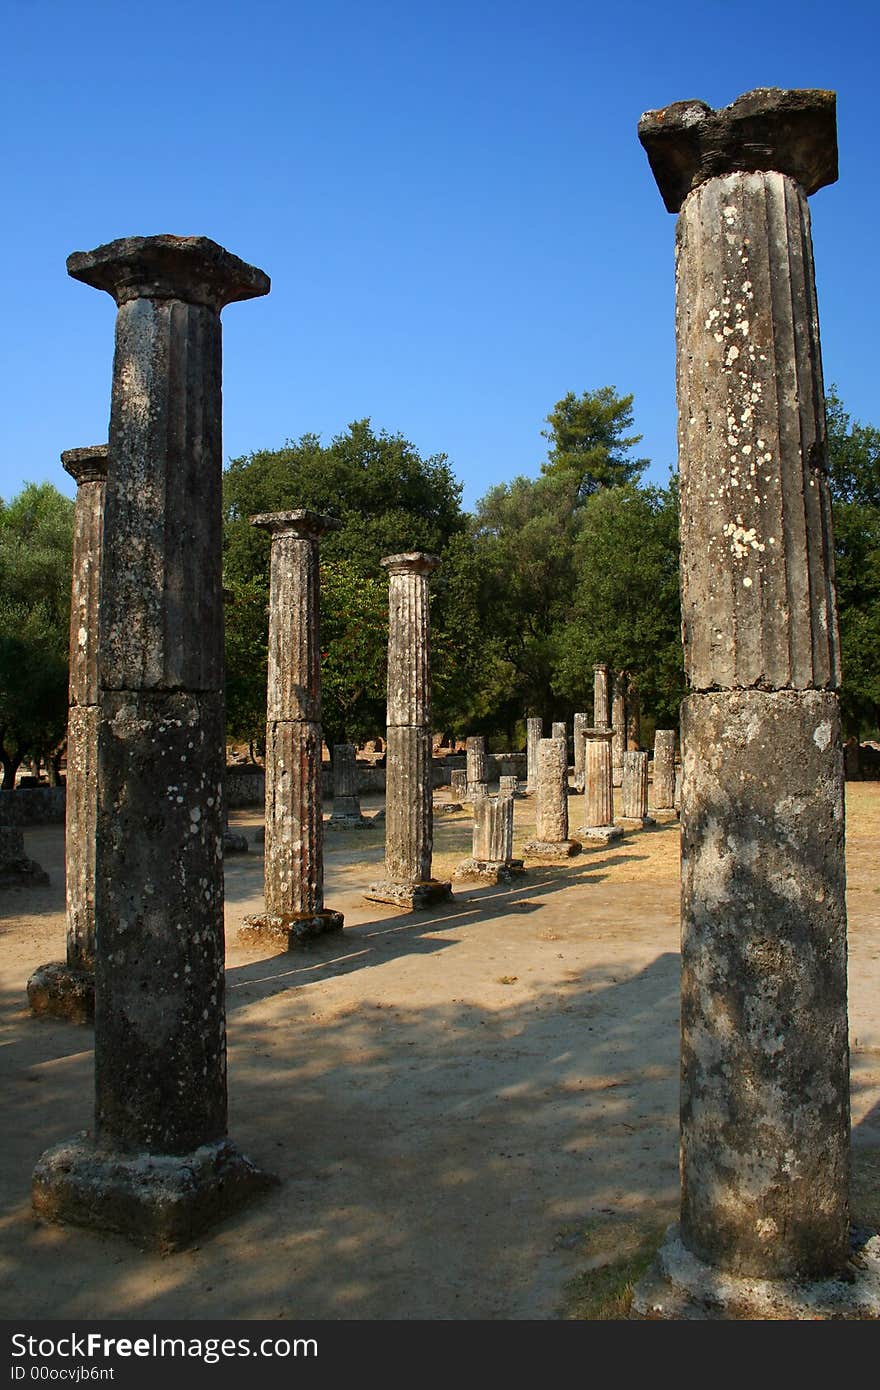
x: 190, y: 268
x: 792, y: 132
x: 412, y: 562
x: 88, y: 465
x: 299, y: 522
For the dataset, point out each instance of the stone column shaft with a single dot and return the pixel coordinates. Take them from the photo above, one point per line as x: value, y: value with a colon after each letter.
x: 600, y: 696
x: 534, y: 734
x: 599, y: 788
x: 634, y: 787
x: 493, y: 829
x: 618, y: 724
x: 477, y: 764
x: 581, y: 724
x: 664, y: 769
x: 347, y: 813
x: 551, y: 812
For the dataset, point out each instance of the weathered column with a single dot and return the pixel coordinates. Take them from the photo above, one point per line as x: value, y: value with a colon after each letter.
x: 477, y: 766
x: 534, y: 734
x: 581, y: 724
x: 508, y: 786
x: 633, y: 715
x: 558, y: 729
x: 458, y: 784
x: 491, y: 858
x: 634, y: 789
x: 765, y: 1119
x: 664, y: 770
x: 551, y: 812
x: 598, y: 789
x: 293, y: 873
x: 408, y: 795
x: 347, y: 814
x: 16, y: 870
x: 160, y: 1166
x: 600, y: 696
x: 618, y: 724
x: 66, y: 989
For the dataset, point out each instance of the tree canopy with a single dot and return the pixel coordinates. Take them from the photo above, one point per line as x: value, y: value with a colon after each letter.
x: 589, y: 443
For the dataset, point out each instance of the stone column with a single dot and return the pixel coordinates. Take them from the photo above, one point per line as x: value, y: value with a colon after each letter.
x: 477, y: 766
x: 458, y: 784
x: 347, y: 814
x: 634, y: 789
x: 581, y: 724
x: 598, y: 789
x: 600, y: 696
x: 160, y: 1166
x: 664, y: 770
x: 765, y: 1110
x: 66, y: 989
x: 633, y: 715
x: 534, y: 734
x: 17, y: 871
x: 559, y: 730
x: 551, y: 819
x: 294, y: 856
x: 491, y: 858
x: 618, y: 724
x: 408, y: 794
x: 508, y: 786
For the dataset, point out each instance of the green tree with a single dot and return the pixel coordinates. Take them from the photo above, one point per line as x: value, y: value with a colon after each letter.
x: 589, y: 441
x: 36, y: 540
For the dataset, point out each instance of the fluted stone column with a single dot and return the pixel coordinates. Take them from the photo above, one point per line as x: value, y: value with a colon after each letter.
x: 458, y: 784
x: 765, y: 1111
x: 66, y: 989
x: 618, y: 724
x: 598, y: 789
x: 293, y: 871
x: 477, y: 766
x: 534, y: 734
x: 558, y: 729
x: 160, y: 1166
x: 347, y: 814
x: 634, y: 789
x: 491, y: 859
x: 508, y: 786
x: 633, y: 715
x: 408, y: 796
x: 551, y: 812
x: 664, y: 770
x: 581, y: 724
x: 600, y: 696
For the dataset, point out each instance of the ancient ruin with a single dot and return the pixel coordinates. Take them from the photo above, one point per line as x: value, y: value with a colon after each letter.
x: 294, y: 855
x: 66, y: 989
x: 408, y: 827
x: 534, y: 734
x: 509, y: 786
x: 600, y: 696
x: 765, y: 1088
x: 551, y: 812
x: 634, y: 790
x: 477, y: 768
x: 491, y: 859
x: 159, y: 1166
x: 346, y: 814
x: 458, y: 784
x: 618, y: 724
x: 663, y: 786
x: 581, y: 724
x: 16, y: 869
x: 598, y: 789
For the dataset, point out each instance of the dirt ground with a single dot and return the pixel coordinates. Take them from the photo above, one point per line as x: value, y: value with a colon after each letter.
x: 469, y: 1109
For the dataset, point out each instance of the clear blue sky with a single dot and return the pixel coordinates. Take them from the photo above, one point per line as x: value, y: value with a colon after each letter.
x: 451, y: 200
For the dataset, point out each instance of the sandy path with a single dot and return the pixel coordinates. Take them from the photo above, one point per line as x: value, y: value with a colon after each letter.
x: 450, y: 1099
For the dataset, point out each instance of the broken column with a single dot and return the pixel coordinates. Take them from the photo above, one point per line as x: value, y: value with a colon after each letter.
x: 618, y: 725
x: 581, y: 724
x: 66, y: 989
x: 600, y: 696
x: 491, y: 858
x: 294, y: 856
x: 534, y: 734
x: 408, y: 821
x: 664, y: 770
x: 477, y: 767
x: 598, y: 789
x: 508, y: 786
x: 634, y: 789
x: 16, y: 869
x: 458, y: 784
x: 551, y: 812
x: 346, y: 814
x: 160, y: 1166
x: 765, y: 1117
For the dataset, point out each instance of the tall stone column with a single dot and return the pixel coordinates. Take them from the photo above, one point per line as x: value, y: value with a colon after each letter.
x: 66, y: 989
x: 618, y: 725
x: 160, y: 1166
x: 598, y: 789
x: 765, y: 1098
x: 408, y: 794
x: 664, y: 770
x: 293, y: 871
x: 347, y: 814
x: 633, y: 716
x: 551, y: 812
x: 477, y: 767
x: 600, y: 696
x: 634, y: 789
x: 534, y: 734
x: 581, y: 724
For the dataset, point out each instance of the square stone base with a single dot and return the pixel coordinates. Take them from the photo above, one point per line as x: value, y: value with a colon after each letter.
x: 160, y: 1201
x: 57, y: 991
x: 411, y: 896
x: 601, y: 834
x: 679, y: 1286
x: 551, y: 849
x: 349, y: 822
x: 446, y: 808
x: 484, y: 871
x: 636, y: 822
x: 288, y: 930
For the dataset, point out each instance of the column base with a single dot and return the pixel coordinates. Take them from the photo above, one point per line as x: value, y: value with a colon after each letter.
x: 486, y: 871
x: 349, y: 822
x: 446, y: 808
x: 636, y: 822
x: 160, y: 1201
x: 678, y: 1286
x: 234, y: 843
x: 411, y: 896
x: 601, y: 834
x: 551, y: 849
x: 289, y: 929
x: 58, y: 991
